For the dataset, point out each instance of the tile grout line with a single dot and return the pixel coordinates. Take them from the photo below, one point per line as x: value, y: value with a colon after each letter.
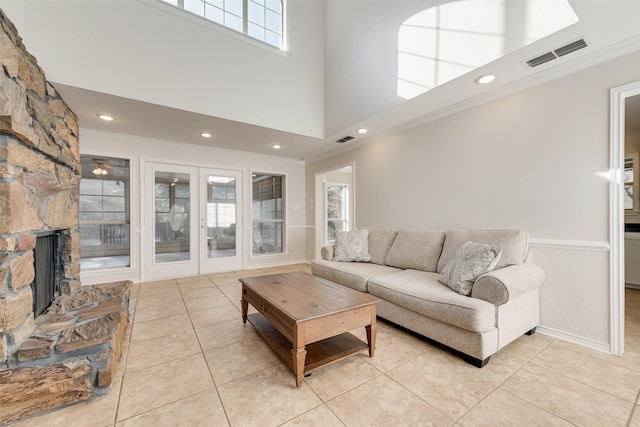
x: 633, y: 409
x: 213, y: 381
x: 124, y: 367
x: 499, y: 386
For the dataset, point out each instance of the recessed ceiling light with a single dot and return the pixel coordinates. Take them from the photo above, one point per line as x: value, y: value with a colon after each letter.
x: 205, y: 134
x: 105, y: 117
x: 361, y: 130
x: 275, y: 146
x: 485, y: 79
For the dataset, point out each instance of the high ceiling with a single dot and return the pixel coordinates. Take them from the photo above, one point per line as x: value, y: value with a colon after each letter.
x: 605, y: 41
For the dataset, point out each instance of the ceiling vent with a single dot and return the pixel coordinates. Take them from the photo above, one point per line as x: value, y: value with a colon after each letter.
x: 539, y: 60
x: 345, y: 139
x: 557, y: 53
x: 571, y: 47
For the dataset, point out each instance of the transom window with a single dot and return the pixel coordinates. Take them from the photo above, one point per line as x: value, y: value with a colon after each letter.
x: 259, y: 19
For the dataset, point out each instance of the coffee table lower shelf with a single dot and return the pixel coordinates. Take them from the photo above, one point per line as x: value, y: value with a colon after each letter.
x: 319, y: 353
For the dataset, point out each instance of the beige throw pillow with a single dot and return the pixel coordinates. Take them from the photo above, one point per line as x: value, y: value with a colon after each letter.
x: 467, y: 263
x: 352, y: 246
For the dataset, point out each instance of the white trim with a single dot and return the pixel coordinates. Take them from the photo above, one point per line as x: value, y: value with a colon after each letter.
x: 575, y: 339
x: 578, y: 245
x: 618, y: 95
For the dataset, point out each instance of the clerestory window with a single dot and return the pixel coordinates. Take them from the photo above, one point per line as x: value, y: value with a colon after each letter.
x: 259, y: 19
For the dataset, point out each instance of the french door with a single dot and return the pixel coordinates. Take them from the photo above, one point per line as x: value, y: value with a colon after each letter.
x: 192, y: 220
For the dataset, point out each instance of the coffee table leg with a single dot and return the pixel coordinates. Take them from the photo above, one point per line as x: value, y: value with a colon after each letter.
x: 245, y: 308
x: 371, y: 338
x: 299, y: 356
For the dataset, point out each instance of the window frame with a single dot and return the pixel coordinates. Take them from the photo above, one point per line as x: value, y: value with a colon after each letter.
x: 282, y: 221
x: 180, y: 10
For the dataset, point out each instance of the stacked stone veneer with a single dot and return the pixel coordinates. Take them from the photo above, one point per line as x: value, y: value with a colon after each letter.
x: 69, y: 353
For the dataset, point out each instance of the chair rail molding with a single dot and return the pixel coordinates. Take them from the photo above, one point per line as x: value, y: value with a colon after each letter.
x: 575, y: 245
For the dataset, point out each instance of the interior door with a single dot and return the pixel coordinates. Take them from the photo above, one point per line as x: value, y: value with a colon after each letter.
x: 221, y: 220
x: 171, y: 221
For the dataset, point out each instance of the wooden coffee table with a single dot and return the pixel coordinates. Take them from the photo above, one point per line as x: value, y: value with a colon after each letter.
x: 305, y: 319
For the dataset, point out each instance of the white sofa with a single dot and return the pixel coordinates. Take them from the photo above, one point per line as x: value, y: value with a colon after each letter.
x: 404, y: 270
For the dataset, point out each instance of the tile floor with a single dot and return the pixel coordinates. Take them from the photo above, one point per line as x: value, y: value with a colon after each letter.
x: 189, y: 361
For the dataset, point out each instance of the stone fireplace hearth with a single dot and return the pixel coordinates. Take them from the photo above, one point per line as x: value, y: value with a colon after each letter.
x: 68, y: 353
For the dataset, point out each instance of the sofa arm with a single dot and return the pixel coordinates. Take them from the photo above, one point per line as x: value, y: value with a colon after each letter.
x: 327, y: 253
x: 500, y: 286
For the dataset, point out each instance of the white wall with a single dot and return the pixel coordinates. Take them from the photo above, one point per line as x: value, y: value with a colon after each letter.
x: 137, y: 49
x: 140, y: 150
x: 535, y: 160
x: 361, y: 58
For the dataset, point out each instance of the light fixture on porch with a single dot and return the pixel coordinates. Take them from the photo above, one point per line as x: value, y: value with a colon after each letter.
x: 99, y: 169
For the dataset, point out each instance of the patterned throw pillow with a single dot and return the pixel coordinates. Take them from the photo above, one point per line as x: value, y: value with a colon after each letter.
x: 352, y: 246
x: 470, y: 261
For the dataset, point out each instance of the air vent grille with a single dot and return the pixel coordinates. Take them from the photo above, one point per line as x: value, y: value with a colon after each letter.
x: 541, y: 59
x: 571, y: 47
x: 345, y: 139
x: 557, y: 53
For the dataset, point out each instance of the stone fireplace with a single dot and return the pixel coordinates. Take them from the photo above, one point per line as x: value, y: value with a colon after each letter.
x: 69, y: 352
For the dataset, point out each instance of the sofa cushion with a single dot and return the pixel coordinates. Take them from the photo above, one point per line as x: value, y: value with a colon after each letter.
x: 354, y: 275
x: 352, y: 246
x: 467, y: 263
x: 380, y: 241
x: 420, y: 291
x: 514, y: 244
x: 416, y: 249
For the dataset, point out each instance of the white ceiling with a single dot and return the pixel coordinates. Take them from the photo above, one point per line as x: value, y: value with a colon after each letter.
x: 610, y: 27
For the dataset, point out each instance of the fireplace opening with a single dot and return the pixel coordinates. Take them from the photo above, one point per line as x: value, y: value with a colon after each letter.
x: 47, y: 263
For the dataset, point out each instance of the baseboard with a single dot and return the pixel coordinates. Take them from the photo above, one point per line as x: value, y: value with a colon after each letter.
x: 631, y: 286
x: 574, y: 339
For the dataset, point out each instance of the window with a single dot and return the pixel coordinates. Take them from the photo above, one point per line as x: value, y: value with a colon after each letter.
x: 104, y: 213
x: 337, y: 210
x: 259, y: 19
x: 268, y: 218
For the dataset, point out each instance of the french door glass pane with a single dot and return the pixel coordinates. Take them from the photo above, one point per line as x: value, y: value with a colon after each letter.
x: 172, y: 217
x: 221, y: 216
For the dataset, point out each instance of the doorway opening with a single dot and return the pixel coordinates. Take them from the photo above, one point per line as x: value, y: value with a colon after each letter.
x: 335, y: 203
x: 618, y: 217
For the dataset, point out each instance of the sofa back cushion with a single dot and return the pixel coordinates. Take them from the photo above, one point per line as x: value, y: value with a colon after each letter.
x: 416, y: 249
x: 380, y: 241
x: 514, y: 244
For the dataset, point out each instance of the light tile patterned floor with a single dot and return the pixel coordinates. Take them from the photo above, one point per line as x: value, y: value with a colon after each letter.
x: 189, y: 361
